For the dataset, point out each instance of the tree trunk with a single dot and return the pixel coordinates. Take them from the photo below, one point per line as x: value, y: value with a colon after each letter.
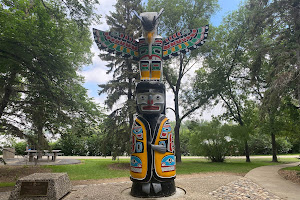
x: 40, y: 142
x: 177, y: 126
x: 129, y: 94
x: 274, y: 148
x: 177, y: 142
x: 7, y: 92
x: 247, y: 151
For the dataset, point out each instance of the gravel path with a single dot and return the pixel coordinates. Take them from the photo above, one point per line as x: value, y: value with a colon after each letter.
x: 243, y: 189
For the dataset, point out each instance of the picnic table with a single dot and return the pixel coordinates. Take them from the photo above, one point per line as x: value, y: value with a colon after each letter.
x: 52, y: 153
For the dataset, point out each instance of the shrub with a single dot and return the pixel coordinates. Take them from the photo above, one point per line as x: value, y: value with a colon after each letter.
x: 20, y: 148
x: 209, y: 140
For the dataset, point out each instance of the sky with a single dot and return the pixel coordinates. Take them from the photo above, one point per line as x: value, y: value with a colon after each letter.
x: 95, y: 73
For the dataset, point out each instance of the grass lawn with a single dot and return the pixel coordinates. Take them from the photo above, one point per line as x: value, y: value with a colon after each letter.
x: 297, y: 168
x: 91, y: 169
x: 99, y: 169
x: 7, y: 184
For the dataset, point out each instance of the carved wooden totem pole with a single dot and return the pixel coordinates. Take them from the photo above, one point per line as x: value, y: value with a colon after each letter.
x: 152, y: 167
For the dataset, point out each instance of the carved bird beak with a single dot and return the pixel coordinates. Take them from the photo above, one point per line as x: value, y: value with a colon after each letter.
x: 150, y: 37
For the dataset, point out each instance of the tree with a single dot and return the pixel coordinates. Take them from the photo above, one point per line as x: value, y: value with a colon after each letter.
x: 179, y: 15
x: 210, y: 140
x: 125, y: 75
x: 43, y: 44
x: 274, y: 32
x: 277, y: 21
x: 225, y: 74
x: 261, y: 59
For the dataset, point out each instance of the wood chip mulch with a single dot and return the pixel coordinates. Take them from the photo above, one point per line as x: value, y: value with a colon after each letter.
x: 291, y: 175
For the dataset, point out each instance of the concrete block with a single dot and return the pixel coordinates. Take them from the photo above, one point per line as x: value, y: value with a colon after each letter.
x: 8, y: 153
x: 42, y: 186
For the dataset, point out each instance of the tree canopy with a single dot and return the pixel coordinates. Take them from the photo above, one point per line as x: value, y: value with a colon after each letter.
x: 43, y: 44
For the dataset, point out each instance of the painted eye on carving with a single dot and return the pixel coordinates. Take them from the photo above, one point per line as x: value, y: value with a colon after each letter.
x: 158, y: 98
x: 142, y: 98
x: 157, y: 51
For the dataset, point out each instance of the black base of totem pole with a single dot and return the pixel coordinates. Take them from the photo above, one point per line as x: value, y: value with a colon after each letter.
x: 168, y: 189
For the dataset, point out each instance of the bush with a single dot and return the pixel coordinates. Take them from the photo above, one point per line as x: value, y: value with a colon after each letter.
x: 283, y: 146
x: 20, y: 148
x: 55, y: 145
x: 260, y: 144
x: 72, y: 145
x: 209, y: 140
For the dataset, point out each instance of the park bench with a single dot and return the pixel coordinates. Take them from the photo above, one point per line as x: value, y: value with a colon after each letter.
x: 48, y: 156
x: 60, y: 154
x: 33, y: 153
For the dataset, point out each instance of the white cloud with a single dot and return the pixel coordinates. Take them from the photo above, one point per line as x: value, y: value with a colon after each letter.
x: 96, y: 75
x: 100, y: 99
x: 105, y: 7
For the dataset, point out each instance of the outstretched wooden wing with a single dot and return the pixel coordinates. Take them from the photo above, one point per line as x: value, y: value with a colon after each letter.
x: 184, y: 41
x: 117, y: 43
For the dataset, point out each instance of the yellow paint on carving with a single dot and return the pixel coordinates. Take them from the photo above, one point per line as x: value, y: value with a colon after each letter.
x: 143, y: 156
x: 149, y: 37
x: 121, y: 48
x: 173, y: 49
x: 115, y: 46
x: 145, y: 75
x: 155, y: 74
x: 165, y: 53
x: 128, y: 50
x: 159, y: 156
x: 180, y: 47
x: 136, y: 53
x: 186, y: 44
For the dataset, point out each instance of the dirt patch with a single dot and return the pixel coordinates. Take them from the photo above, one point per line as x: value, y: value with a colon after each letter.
x: 99, y: 181
x: 291, y: 175
x: 119, y: 166
x: 125, y: 179
x: 13, y: 173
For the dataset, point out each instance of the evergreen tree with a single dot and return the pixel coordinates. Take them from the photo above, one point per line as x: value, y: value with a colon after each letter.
x: 125, y: 74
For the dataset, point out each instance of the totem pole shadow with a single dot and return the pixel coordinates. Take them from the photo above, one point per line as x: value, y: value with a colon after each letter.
x: 179, y: 193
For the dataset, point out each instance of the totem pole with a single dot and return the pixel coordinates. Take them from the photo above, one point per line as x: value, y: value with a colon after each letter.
x: 152, y: 166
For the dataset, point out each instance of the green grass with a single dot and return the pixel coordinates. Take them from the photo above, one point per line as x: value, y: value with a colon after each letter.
x: 297, y: 168
x: 98, y: 168
x: 230, y: 165
x: 289, y: 154
x: 7, y: 184
x: 91, y: 169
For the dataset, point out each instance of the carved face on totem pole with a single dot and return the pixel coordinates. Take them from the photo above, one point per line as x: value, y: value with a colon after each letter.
x: 150, y: 98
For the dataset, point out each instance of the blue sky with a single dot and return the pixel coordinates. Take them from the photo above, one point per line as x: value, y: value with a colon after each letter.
x: 96, y: 73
